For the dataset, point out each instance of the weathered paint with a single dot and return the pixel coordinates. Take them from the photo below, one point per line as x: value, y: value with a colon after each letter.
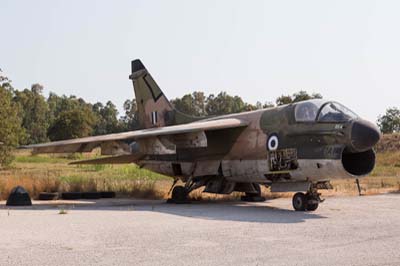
x: 232, y: 148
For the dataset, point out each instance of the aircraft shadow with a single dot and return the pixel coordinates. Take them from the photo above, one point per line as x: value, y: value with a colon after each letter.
x: 210, y: 210
x: 238, y: 211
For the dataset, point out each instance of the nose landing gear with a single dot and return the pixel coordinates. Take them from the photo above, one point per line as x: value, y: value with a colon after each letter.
x: 306, y: 202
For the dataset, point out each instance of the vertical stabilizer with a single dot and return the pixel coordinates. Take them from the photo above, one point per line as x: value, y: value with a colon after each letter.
x: 154, y: 109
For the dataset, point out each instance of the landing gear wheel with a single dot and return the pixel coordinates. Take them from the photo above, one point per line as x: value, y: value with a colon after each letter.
x: 179, y: 195
x: 299, y: 201
x: 312, y: 207
x: 254, y: 197
x: 312, y: 202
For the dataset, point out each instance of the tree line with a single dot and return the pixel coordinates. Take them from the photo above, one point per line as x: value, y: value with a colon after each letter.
x: 28, y: 117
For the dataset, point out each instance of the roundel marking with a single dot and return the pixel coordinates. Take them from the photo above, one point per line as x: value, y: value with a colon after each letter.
x: 273, y: 142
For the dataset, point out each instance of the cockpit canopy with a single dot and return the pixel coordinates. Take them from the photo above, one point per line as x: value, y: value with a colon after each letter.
x: 322, y: 111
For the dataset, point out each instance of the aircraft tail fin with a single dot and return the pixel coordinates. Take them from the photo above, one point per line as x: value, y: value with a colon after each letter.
x: 154, y: 109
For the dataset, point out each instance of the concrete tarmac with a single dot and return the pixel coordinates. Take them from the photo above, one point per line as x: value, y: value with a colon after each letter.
x: 343, y: 231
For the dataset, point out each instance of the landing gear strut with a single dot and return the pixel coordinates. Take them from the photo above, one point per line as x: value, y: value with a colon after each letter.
x: 253, y: 197
x: 306, y: 202
x: 180, y: 194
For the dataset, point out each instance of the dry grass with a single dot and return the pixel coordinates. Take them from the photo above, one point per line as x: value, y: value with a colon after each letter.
x: 53, y: 174
x: 389, y: 143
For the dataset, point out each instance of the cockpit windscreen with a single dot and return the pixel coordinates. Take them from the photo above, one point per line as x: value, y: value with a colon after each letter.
x: 308, y: 111
x: 335, y: 112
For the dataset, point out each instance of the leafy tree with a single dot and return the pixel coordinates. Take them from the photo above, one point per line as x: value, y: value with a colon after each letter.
x: 130, y: 120
x: 267, y: 104
x: 34, y: 113
x: 107, y: 121
x: 304, y: 96
x: 390, y: 121
x: 70, y: 124
x: 192, y: 104
x: 70, y: 117
x: 284, y: 99
x: 297, y: 97
x: 185, y: 104
x: 10, y: 123
x: 197, y: 104
x: 58, y: 104
x: 223, y: 103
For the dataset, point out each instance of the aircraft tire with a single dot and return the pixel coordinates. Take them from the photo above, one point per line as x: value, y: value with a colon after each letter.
x: 71, y: 195
x: 299, y: 201
x: 312, y: 207
x: 91, y: 195
x: 179, y: 194
x: 254, y: 197
x: 107, y: 194
x: 48, y: 196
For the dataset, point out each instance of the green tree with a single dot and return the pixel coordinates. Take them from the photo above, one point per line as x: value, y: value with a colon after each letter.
x: 185, y: 104
x: 304, y: 96
x: 198, y: 104
x: 224, y: 103
x: 191, y: 104
x: 297, y: 97
x: 390, y: 121
x: 34, y: 113
x: 70, y: 124
x: 70, y: 117
x: 130, y: 120
x: 11, y: 131
x: 284, y: 99
x: 107, y: 121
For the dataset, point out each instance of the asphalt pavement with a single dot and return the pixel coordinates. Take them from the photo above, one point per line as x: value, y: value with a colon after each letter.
x: 343, y: 231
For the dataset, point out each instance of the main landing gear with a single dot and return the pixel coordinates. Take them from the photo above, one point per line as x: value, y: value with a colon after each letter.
x: 253, y: 196
x: 306, y: 202
x: 180, y: 194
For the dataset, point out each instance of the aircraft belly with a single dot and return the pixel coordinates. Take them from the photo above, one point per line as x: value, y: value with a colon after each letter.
x: 245, y: 170
x: 186, y: 169
x: 207, y: 168
x: 164, y: 168
x: 319, y: 169
x: 251, y: 170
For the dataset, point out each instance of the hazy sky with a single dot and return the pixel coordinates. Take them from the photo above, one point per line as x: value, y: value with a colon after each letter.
x: 348, y: 51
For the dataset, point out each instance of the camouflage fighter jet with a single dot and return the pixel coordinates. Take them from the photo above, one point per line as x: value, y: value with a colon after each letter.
x: 292, y: 148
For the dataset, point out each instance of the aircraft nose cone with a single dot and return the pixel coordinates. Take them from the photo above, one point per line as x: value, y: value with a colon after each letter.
x: 364, y: 135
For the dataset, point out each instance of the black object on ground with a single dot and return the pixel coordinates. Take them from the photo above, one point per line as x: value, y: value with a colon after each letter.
x: 107, y: 194
x: 19, y: 197
x: 48, y: 195
x: 91, y: 195
x: 71, y: 195
x: 179, y: 195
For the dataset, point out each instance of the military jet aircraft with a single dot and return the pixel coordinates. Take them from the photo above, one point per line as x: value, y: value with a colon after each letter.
x: 297, y: 147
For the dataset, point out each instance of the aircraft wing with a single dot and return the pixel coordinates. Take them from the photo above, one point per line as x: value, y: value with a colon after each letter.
x: 156, y: 140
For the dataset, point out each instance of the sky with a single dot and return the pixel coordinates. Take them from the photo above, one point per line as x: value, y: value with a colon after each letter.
x: 349, y: 51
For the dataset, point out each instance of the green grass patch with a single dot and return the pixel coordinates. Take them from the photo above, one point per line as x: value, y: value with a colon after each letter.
x: 39, y: 159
